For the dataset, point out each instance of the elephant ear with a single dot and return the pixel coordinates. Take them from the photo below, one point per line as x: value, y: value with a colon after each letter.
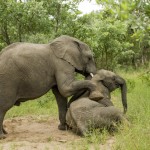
x: 68, y: 49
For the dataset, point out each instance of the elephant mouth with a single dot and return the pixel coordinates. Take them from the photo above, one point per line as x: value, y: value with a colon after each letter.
x: 84, y: 73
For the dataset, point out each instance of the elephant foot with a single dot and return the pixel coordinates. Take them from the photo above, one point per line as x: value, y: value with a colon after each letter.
x: 63, y: 127
x: 2, y: 136
x: 96, y: 95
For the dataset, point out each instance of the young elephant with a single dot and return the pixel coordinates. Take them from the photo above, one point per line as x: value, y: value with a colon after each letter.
x: 85, y: 113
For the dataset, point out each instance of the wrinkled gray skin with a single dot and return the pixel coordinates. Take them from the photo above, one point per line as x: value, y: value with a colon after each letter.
x: 28, y: 71
x: 111, y: 81
x: 85, y: 113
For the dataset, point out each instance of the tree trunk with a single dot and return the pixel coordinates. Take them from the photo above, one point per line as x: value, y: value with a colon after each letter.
x: 5, y: 34
x: 57, y: 17
x: 19, y: 33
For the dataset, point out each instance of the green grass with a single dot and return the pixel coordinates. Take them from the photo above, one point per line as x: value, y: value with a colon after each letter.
x: 136, y: 136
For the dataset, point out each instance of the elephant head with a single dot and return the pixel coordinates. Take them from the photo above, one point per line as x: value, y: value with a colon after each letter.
x: 113, y: 81
x: 75, y: 52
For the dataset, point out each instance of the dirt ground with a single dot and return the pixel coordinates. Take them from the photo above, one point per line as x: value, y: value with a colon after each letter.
x: 40, y: 133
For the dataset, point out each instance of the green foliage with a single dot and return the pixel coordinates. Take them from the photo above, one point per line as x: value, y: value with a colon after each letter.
x: 111, y: 45
x: 118, y: 34
x: 44, y: 102
x: 38, y: 38
x: 138, y: 115
x: 18, y: 19
x: 131, y: 85
x: 136, y: 16
x: 27, y: 21
x: 145, y: 77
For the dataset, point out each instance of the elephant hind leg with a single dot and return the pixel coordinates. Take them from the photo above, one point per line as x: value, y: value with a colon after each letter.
x: 3, y: 110
x: 2, y: 131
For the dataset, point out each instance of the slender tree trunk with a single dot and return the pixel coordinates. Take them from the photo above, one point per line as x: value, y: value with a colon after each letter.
x: 5, y: 34
x: 106, y: 57
x: 102, y: 59
x: 57, y: 18
x: 19, y: 33
x: 134, y: 64
x: 142, y: 58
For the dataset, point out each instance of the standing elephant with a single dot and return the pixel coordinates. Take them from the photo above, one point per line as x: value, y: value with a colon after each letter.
x: 85, y: 113
x: 28, y: 71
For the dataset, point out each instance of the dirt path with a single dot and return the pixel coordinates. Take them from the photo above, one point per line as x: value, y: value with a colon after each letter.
x: 39, y: 133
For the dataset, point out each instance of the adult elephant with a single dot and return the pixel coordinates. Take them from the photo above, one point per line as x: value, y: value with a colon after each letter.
x: 27, y: 71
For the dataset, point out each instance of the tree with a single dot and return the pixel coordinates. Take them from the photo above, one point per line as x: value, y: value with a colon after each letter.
x: 36, y: 20
x: 20, y: 18
x: 136, y: 15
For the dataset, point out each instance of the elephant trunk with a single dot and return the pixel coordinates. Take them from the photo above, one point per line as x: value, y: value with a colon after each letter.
x: 124, y: 95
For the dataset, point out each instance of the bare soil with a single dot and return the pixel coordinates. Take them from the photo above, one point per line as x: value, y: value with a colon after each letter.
x: 40, y: 133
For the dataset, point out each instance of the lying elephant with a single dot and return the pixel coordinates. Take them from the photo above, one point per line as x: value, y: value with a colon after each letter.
x: 85, y: 113
x: 28, y: 71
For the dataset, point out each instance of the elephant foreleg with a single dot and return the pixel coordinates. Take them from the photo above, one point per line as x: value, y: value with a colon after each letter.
x: 62, y: 108
x: 69, y: 86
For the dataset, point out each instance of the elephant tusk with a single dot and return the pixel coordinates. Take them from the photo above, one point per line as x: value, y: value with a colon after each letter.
x: 91, y: 75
